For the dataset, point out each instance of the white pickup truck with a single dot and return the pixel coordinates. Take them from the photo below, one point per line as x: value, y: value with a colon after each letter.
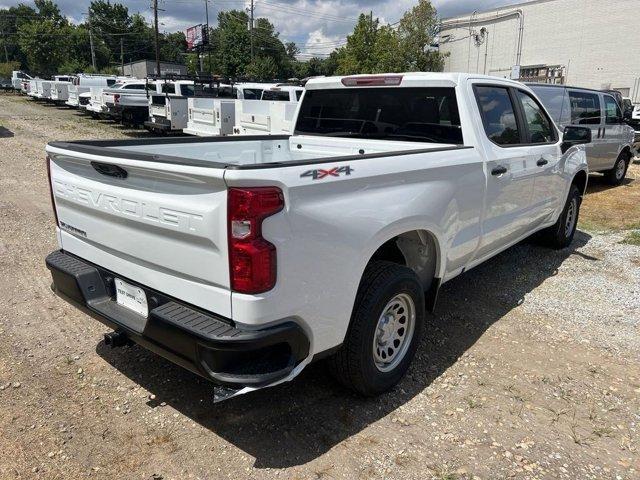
x: 18, y: 77
x: 210, y: 116
x: 167, y: 109
x: 243, y: 259
x: 128, y: 102
x: 273, y: 114
x: 60, y: 90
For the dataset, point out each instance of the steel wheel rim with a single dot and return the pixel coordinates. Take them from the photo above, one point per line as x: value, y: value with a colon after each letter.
x: 394, y: 332
x: 620, y: 169
x: 571, y: 217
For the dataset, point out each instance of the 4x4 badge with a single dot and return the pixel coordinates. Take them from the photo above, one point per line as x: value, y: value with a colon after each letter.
x: 319, y: 174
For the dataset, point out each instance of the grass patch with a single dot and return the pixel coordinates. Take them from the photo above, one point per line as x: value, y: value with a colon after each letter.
x: 605, y: 208
x: 632, y: 238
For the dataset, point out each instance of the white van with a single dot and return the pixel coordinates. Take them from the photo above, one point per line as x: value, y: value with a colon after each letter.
x: 82, y: 83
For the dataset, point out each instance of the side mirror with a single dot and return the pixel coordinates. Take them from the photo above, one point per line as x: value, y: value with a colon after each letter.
x: 628, y: 114
x: 574, y: 135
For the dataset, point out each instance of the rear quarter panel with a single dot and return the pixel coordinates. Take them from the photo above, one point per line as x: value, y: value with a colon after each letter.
x: 331, y: 227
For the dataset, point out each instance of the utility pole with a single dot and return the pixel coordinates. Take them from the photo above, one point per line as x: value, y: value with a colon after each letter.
x: 155, y: 20
x: 251, y: 30
x: 206, y: 7
x: 93, y: 52
x: 122, y: 54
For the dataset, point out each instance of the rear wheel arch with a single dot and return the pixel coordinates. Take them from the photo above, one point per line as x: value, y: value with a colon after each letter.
x: 419, y: 250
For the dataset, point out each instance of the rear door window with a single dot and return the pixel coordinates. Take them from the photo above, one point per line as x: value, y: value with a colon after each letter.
x: 612, y: 112
x: 187, y: 90
x: 252, y: 93
x: 539, y: 128
x: 498, y: 114
x: 275, y: 95
x: 585, y: 108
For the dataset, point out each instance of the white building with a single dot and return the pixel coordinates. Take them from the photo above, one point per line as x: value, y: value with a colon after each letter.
x: 586, y: 43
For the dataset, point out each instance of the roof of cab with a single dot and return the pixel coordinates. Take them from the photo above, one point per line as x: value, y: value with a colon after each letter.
x: 409, y: 79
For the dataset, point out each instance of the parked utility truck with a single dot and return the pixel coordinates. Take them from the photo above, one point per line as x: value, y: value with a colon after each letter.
x: 168, y: 108
x: 244, y: 259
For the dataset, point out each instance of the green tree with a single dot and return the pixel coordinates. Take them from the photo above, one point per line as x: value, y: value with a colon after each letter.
x: 385, y: 52
x: 110, y: 22
x: 357, y: 55
x: 7, y: 68
x: 233, y: 49
x: 262, y: 69
x: 416, y: 31
x: 10, y: 20
x: 173, y: 46
x: 44, y: 42
x: 292, y: 50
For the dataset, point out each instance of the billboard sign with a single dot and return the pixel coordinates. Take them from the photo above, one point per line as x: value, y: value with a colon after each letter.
x: 196, y: 36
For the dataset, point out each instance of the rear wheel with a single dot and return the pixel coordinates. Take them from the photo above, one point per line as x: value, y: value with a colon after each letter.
x: 616, y: 175
x: 561, y: 234
x: 386, y: 326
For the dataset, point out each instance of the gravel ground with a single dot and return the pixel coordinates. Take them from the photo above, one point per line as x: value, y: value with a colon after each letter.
x: 529, y: 369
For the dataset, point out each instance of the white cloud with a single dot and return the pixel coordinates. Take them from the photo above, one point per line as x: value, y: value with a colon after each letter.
x: 315, y: 25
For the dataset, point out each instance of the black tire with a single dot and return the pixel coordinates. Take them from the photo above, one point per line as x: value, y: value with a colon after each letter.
x: 354, y: 365
x: 617, y: 174
x: 561, y: 234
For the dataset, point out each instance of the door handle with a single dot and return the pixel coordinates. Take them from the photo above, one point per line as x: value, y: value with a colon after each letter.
x: 499, y: 171
x: 542, y: 162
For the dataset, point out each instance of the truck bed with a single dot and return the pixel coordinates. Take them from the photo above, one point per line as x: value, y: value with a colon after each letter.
x: 246, y: 152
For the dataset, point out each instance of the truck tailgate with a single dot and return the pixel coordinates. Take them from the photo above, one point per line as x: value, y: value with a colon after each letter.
x: 160, y: 225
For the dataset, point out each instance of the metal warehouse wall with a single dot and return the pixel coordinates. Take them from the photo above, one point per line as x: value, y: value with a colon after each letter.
x: 144, y: 68
x: 590, y: 43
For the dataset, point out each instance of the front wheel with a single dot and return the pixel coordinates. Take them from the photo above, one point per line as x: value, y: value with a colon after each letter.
x: 386, y: 326
x: 616, y: 175
x: 560, y: 235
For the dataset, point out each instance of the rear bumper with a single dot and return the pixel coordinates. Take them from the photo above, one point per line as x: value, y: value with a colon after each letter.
x: 158, y: 124
x: 199, y: 341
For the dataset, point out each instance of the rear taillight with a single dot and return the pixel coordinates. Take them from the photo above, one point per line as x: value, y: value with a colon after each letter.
x: 53, y: 202
x: 252, y: 259
x: 116, y: 98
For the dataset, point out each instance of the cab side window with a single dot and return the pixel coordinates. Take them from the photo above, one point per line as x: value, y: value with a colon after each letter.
x: 585, y: 108
x: 613, y: 114
x: 498, y: 114
x: 538, y: 124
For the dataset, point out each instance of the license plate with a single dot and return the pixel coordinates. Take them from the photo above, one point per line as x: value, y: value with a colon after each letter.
x: 131, y: 297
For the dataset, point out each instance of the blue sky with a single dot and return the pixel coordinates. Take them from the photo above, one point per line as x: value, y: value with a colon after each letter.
x: 317, y: 26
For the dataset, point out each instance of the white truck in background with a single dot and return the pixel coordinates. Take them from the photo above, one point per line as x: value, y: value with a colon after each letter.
x: 210, y: 116
x: 128, y: 102
x: 96, y: 106
x: 82, y: 83
x: 60, y: 90
x: 271, y: 115
x: 17, y: 79
x: 252, y: 91
x: 244, y: 259
x: 47, y: 86
x: 168, y: 107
